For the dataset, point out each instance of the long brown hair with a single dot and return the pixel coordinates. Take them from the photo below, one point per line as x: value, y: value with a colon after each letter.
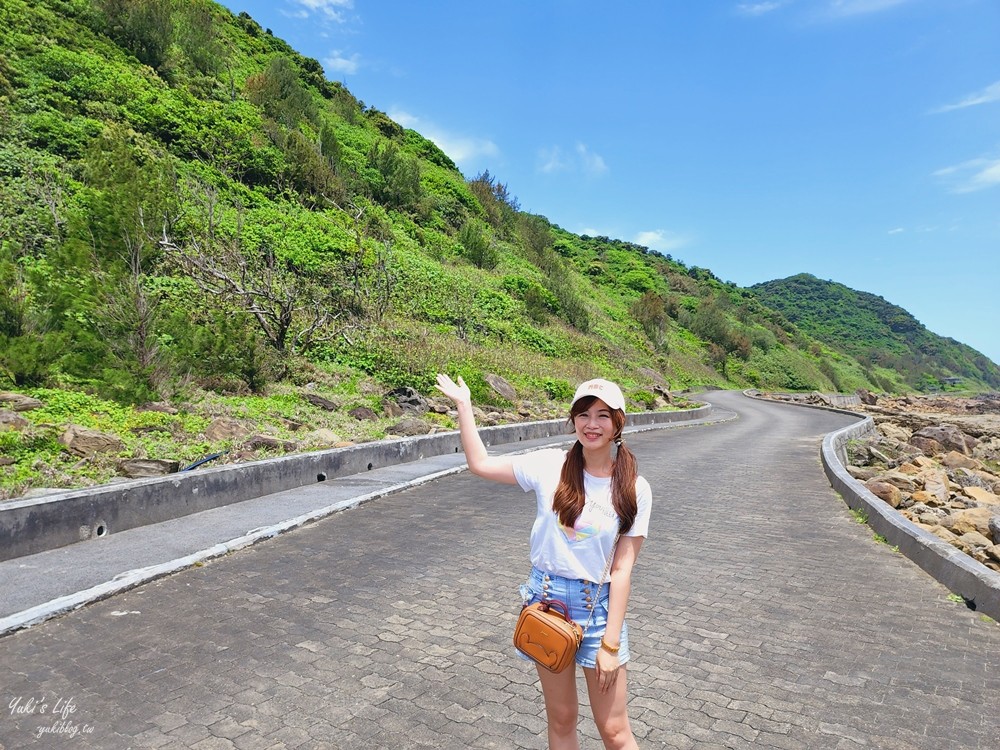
x: 569, y: 498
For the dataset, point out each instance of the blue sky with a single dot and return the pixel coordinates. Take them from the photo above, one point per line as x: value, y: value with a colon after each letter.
x: 857, y: 140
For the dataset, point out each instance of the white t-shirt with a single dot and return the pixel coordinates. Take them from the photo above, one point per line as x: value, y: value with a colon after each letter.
x: 580, y: 552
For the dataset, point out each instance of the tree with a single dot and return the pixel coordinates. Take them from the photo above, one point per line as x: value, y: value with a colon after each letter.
x: 294, y: 303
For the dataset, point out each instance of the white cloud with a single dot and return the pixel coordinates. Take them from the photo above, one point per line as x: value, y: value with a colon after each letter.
x: 464, y: 150
x: 897, y: 230
x: 581, y: 159
x: 338, y: 63
x: 987, y: 95
x: 972, y: 175
x: 861, y: 7
x: 661, y: 240
x: 551, y: 160
x: 759, y: 9
x: 332, y: 9
x: 592, y: 163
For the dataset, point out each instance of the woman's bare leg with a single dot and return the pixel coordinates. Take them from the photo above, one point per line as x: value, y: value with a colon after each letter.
x: 562, y: 707
x: 611, y: 711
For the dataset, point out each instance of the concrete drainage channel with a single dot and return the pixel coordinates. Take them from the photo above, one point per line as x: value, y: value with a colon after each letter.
x: 79, y: 519
x: 974, y: 582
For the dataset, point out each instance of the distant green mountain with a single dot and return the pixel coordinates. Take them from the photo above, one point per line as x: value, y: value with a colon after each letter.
x: 876, y: 332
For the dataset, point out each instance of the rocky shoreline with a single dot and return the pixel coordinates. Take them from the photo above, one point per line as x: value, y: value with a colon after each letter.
x: 935, y: 459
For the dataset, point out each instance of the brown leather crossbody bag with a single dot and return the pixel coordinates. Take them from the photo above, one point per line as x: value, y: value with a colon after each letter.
x: 548, y: 635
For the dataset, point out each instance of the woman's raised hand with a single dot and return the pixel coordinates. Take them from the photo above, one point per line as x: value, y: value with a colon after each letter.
x: 457, y: 392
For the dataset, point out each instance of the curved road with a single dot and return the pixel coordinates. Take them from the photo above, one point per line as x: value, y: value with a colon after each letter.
x: 763, y: 616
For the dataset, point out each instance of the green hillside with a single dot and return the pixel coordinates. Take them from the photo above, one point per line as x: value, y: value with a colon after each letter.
x: 877, y: 333
x: 190, y: 208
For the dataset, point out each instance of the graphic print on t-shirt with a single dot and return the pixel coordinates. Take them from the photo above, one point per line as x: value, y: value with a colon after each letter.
x: 593, y: 520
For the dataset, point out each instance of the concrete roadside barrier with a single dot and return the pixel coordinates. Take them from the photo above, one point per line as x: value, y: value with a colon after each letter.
x: 34, y: 525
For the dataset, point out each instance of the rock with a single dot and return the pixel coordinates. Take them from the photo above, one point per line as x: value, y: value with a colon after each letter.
x: 878, y: 455
x: 7, y: 461
x: 258, y: 442
x: 993, y: 525
x: 936, y: 483
x: 974, y: 539
x: 993, y: 551
x: 924, y: 462
x: 885, y: 491
x: 501, y: 387
x: 225, y: 428
x: 320, y: 402
x: 439, y: 408
x: 867, y: 397
x: 82, y: 441
x: 925, y: 515
x: 19, y: 402
x: 409, y: 400
x: 922, y: 496
x: 363, y: 413
x: 409, y: 427
x: 944, y: 535
x: 900, y: 480
x: 894, y: 431
x: 12, y: 421
x: 343, y: 444
x: 981, y: 496
x: 322, y: 436
x: 908, y: 469
x: 392, y: 408
x: 925, y: 445
x: 137, y: 468
x: 949, y: 436
x: 956, y: 460
x: 973, y: 519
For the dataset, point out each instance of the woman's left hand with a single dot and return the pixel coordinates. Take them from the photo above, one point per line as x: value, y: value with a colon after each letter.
x: 607, y: 669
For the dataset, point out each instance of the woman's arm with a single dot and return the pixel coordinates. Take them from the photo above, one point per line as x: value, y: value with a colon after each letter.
x: 621, y: 586
x: 480, y: 462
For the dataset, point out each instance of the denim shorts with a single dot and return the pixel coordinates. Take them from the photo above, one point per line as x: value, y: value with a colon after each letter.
x: 579, y: 597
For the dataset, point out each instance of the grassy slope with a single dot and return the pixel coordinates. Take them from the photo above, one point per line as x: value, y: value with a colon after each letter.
x: 87, y: 129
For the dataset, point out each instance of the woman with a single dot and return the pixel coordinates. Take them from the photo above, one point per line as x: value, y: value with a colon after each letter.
x: 586, y: 497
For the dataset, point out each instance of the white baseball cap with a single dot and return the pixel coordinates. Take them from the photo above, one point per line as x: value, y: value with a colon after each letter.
x: 605, y: 390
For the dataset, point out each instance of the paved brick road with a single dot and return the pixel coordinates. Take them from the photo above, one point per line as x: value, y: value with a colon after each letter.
x: 763, y: 616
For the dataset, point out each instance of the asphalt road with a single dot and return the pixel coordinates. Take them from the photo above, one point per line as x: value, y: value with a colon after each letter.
x: 762, y: 616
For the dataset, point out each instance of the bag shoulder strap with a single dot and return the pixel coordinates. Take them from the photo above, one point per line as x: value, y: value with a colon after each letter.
x: 607, y: 569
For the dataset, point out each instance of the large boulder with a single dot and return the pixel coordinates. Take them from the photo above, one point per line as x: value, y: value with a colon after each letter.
x: 409, y: 400
x: 926, y: 445
x: 82, y: 441
x: 981, y: 496
x: 363, y: 413
x: 894, y: 431
x: 321, y: 402
x: 867, y: 397
x: 885, y: 491
x: 11, y: 420
x: 949, y: 436
x: 501, y: 387
x: 936, y: 483
x: 225, y: 428
x: 972, y: 519
x: 956, y: 460
x: 137, y: 468
x: 19, y: 402
x: 409, y: 427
